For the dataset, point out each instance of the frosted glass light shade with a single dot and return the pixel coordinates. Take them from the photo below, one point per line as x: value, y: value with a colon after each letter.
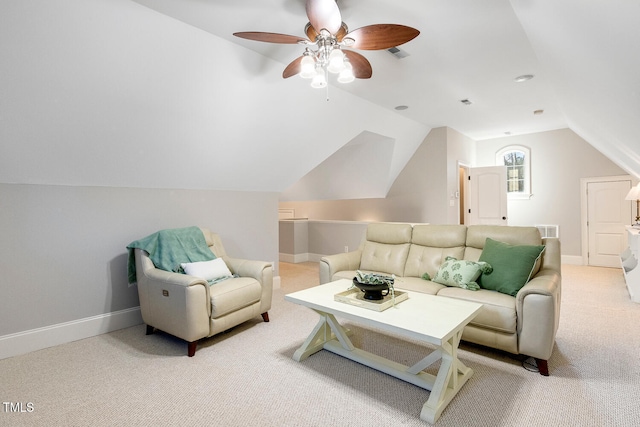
x: 319, y: 81
x: 307, y: 67
x: 336, y: 61
x: 346, y: 75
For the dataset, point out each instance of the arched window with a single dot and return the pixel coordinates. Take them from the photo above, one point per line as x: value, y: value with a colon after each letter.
x: 517, y: 159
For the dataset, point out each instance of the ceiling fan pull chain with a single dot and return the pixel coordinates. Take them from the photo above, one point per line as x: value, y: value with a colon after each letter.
x: 326, y: 76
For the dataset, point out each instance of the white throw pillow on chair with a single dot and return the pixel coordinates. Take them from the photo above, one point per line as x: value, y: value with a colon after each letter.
x: 208, y: 270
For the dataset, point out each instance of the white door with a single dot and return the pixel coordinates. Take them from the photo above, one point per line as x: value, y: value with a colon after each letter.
x: 607, y: 214
x: 488, y: 195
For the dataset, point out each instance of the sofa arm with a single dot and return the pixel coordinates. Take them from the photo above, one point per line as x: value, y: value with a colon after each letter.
x: 331, y: 264
x: 538, y: 311
x: 175, y: 303
x: 262, y: 271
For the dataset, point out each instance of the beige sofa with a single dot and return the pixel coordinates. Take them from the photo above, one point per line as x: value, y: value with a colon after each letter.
x: 189, y: 308
x: 525, y: 324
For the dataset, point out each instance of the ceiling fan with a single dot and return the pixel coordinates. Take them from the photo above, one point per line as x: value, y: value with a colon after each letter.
x: 327, y: 36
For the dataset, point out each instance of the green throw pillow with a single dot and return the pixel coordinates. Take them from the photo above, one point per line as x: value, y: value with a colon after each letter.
x: 460, y: 273
x: 512, y: 265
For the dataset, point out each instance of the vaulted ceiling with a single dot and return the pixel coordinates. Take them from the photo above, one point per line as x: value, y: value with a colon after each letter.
x: 585, y: 57
x: 159, y: 93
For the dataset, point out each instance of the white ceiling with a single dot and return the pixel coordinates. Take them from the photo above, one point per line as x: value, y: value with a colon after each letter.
x: 585, y: 57
x: 467, y: 49
x: 164, y: 82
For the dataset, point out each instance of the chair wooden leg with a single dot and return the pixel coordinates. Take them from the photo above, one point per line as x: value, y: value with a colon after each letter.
x: 265, y: 316
x: 543, y: 367
x: 191, y: 348
x: 150, y: 329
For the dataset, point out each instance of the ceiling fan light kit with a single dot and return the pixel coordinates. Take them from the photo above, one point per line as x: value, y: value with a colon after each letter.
x: 327, y: 38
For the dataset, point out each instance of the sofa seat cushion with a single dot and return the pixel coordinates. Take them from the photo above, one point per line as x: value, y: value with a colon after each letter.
x: 233, y: 294
x: 498, y: 311
x: 417, y: 284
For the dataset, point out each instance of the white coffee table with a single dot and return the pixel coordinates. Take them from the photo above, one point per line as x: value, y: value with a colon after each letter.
x: 434, y: 320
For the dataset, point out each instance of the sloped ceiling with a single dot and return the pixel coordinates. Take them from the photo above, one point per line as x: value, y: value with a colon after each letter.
x: 584, y: 55
x: 111, y: 93
x: 158, y: 93
x: 591, y: 53
x: 359, y: 170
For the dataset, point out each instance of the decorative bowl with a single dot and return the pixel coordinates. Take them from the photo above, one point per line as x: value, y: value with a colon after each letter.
x: 372, y: 291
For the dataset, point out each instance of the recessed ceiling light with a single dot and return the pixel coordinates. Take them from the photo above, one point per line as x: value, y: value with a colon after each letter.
x: 401, y: 107
x: 523, y: 78
x: 538, y: 112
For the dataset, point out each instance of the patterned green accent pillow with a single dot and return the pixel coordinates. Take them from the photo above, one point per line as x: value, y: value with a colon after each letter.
x: 461, y: 273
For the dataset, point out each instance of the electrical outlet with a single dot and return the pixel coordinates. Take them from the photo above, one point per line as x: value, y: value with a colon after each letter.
x: 346, y: 248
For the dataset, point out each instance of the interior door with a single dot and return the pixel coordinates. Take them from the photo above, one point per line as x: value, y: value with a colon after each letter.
x: 607, y: 214
x: 488, y: 195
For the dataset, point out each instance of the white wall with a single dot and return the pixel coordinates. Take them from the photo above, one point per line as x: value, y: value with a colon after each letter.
x: 559, y: 159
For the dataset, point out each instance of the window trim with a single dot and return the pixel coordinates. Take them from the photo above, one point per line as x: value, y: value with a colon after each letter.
x: 518, y: 195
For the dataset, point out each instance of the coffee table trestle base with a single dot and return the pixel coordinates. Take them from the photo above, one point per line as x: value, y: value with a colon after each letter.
x: 452, y: 374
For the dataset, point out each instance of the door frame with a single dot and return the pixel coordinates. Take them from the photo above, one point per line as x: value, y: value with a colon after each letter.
x: 584, y: 233
x: 463, y: 193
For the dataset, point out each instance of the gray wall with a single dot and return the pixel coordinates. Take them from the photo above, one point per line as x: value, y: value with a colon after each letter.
x: 559, y: 159
x: 304, y: 240
x: 423, y: 190
x: 63, y: 255
x: 420, y: 194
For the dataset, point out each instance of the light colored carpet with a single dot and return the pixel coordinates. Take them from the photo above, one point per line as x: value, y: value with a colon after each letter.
x: 246, y: 377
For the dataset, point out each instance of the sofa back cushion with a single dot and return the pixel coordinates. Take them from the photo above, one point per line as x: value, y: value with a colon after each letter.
x: 513, y: 235
x: 386, y: 247
x: 439, y: 236
x: 431, y: 245
x: 389, y: 233
x: 384, y: 258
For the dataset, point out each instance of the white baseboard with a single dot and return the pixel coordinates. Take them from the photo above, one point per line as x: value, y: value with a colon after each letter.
x: 315, y: 257
x: 571, y: 259
x: 49, y: 336
x: 294, y: 258
x: 306, y: 257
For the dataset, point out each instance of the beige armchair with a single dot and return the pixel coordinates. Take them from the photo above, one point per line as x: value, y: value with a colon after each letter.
x: 191, y: 309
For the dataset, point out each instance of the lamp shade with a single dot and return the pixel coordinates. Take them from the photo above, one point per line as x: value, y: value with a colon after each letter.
x: 634, y: 193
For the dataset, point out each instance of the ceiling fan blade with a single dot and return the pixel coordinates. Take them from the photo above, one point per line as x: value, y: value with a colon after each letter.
x: 324, y: 14
x: 361, y: 66
x: 293, y: 68
x: 270, y: 37
x: 381, y: 36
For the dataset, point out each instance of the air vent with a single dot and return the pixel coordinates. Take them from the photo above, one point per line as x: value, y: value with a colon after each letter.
x: 397, y: 52
x: 466, y: 101
x: 549, y: 230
